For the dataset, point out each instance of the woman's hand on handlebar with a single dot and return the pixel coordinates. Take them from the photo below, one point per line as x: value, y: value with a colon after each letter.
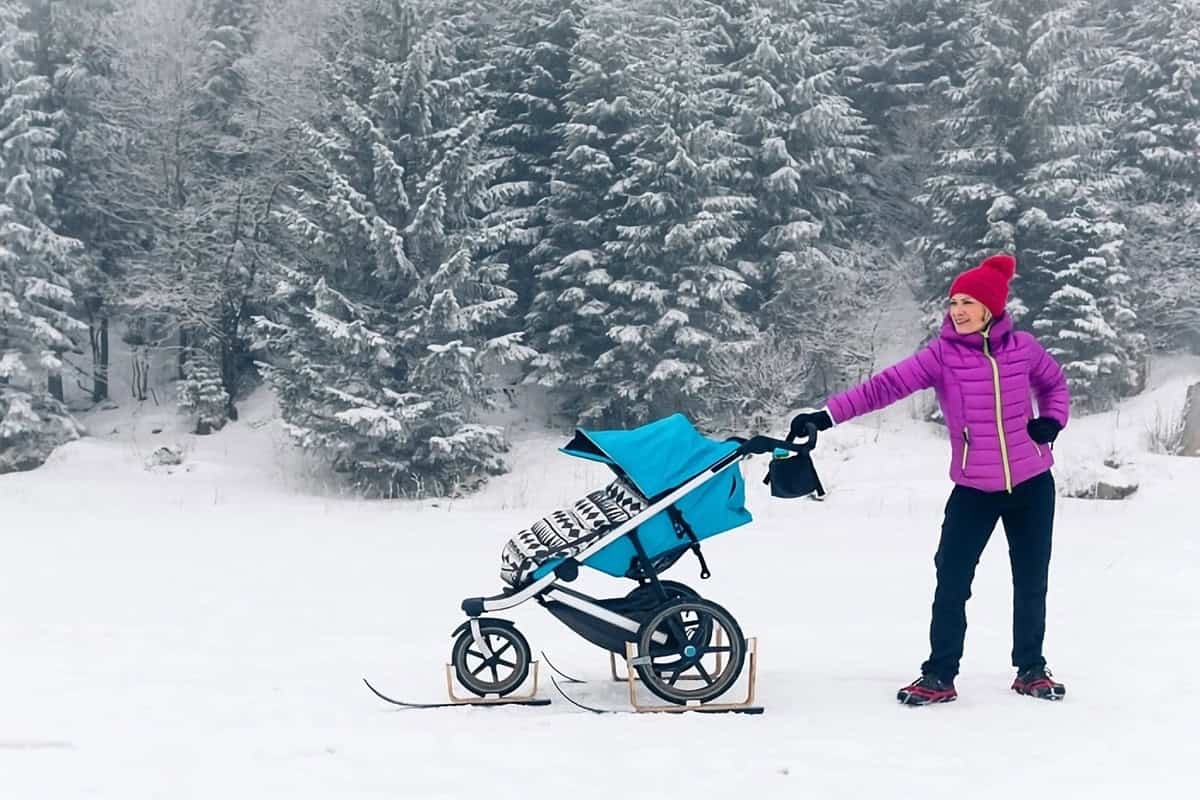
x: 818, y: 419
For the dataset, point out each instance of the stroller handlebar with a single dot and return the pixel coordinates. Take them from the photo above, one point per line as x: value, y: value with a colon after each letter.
x: 765, y: 444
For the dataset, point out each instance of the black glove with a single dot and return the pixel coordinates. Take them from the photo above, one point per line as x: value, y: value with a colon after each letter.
x: 800, y: 422
x: 1043, y: 430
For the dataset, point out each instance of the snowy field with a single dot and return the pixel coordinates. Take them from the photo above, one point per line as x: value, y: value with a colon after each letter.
x: 202, y: 631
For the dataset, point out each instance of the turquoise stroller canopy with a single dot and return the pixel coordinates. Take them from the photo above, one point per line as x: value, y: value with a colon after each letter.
x: 656, y: 458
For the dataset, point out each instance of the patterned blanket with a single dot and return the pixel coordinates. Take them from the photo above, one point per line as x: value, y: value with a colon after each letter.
x: 569, y: 531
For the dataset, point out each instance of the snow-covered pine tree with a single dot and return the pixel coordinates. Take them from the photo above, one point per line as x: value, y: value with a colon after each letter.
x: 332, y: 368
x: 971, y: 202
x: 203, y: 395
x: 77, y: 62
x: 809, y: 147
x: 530, y: 81
x: 453, y: 362
x: 1030, y: 172
x: 567, y: 320
x: 905, y: 53
x: 1069, y: 235
x: 906, y: 50
x: 1158, y: 137
x: 225, y: 184
x: 1164, y: 272
x: 675, y: 290
x: 192, y: 161
x: 1158, y: 64
x: 1081, y: 324
x: 381, y: 336
x: 38, y: 322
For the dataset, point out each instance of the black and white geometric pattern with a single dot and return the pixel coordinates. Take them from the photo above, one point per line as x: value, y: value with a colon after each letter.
x: 568, y: 531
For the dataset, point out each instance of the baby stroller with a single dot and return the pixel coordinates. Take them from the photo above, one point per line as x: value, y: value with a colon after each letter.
x: 674, y: 488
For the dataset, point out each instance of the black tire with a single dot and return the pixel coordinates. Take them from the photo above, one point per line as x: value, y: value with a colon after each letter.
x: 674, y: 589
x: 690, y: 627
x: 508, y: 667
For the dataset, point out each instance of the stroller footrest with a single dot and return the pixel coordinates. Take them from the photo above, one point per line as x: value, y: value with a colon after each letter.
x: 473, y: 606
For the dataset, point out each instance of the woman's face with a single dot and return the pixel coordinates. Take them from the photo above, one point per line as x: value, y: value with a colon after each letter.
x: 968, y: 314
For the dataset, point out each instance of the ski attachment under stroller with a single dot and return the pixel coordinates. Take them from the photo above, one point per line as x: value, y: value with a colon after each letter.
x: 529, y: 699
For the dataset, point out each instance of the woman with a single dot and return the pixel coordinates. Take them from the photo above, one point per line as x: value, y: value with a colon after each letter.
x: 983, y: 372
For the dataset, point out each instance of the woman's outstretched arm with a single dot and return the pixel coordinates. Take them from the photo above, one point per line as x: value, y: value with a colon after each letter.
x: 919, y: 371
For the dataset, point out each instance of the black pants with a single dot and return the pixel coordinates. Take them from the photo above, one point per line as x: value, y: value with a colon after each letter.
x: 971, y: 515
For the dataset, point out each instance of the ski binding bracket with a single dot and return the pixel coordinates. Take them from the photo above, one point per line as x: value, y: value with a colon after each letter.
x: 746, y: 706
x: 631, y: 679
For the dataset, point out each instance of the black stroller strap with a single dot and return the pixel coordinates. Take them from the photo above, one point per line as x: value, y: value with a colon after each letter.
x: 683, y: 530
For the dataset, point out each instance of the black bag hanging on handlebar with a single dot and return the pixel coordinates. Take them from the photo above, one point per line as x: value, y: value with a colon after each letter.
x: 793, y: 474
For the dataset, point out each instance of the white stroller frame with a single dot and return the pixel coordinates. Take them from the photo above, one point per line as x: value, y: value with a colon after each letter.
x: 546, y: 587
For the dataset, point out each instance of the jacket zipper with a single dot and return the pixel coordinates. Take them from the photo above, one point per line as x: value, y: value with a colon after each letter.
x: 966, y: 448
x: 999, y: 412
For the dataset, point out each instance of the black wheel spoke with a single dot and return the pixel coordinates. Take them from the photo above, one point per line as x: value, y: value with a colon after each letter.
x: 707, y: 678
x: 495, y: 673
x: 510, y: 664
x: 675, y: 627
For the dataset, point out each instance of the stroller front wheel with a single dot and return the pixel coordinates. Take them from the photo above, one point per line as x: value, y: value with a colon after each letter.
x: 694, y: 664
x: 499, y: 667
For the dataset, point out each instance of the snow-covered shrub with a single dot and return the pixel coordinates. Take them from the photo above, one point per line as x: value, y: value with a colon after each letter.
x: 754, y: 385
x: 1164, y: 433
x: 31, y: 426
x: 203, y: 395
x: 396, y: 417
x: 165, y: 456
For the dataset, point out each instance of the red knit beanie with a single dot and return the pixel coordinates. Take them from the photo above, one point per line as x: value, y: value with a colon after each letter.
x: 988, y: 283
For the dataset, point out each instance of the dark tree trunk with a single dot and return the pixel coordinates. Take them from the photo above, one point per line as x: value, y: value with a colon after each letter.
x: 54, y: 385
x: 229, y: 378
x: 141, y: 372
x: 99, y: 339
x: 101, y: 392
x: 183, y: 353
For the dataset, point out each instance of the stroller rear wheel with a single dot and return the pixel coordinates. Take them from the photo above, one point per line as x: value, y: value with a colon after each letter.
x: 692, y: 652
x: 499, y: 667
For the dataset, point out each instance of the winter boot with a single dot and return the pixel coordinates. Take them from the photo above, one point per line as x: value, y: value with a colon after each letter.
x: 1036, y: 682
x: 925, y: 690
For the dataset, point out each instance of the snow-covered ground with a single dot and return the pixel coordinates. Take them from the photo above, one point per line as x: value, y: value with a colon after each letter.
x: 201, y: 631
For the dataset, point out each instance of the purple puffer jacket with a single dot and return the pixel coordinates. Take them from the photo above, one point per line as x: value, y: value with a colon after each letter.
x: 979, y: 380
